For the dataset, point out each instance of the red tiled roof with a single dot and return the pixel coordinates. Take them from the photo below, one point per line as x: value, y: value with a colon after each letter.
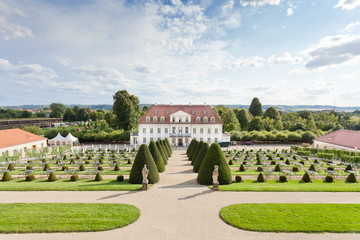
x: 345, y: 138
x: 14, y: 137
x: 194, y: 110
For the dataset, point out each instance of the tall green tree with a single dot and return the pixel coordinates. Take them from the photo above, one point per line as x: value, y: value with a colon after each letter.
x: 272, y: 113
x: 231, y: 123
x: 83, y: 114
x: 256, y: 124
x: 70, y: 115
x: 127, y: 110
x: 57, y: 110
x: 109, y: 117
x: 256, y: 108
x: 243, y: 117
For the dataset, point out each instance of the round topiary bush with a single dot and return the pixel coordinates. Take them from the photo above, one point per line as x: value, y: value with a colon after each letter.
x: 200, y: 157
x: 312, y: 168
x: 351, y: 178
x: 272, y: 163
x: 11, y: 167
x: 295, y: 169
x: 242, y: 168
x: 72, y: 161
x: 82, y: 167
x: 87, y: 162
x: 116, y: 168
x: 46, y: 167
x: 29, y: 167
x: 74, y: 178
x: 6, y: 177
x: 306, y: 178
x: 302, y: 162
x: 283, y: 178
x: 143, y: 157
x: 238, y: 178
x: 101, y: 161
x: 58, y: 162
x: 100, y: 168
x: 64, y: 168
x: 30, y: 177
x: 260, y: 178
x: 348, y: 168
x: 329, y: 179
x: 259, y: 169
x: 120, y: 178
x: 98, y: 177
x: 29, y: 161
x: 89, y: 158
x: 330, y: 169
x: 277, y: 168
x: 214, y: 156
x: 155, y: 153
x: 52, y: 177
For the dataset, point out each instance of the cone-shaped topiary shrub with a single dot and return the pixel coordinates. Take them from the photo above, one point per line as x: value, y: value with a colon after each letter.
x: 242, y: 168
x: 164, y: 149
x: 283, y: 178
x: 348, y: 168
x: 155, y: 153
x: 11, y: 167
x: 87, y: 162
x: 82, y: 167
x: 120, y: 178
x: 200, y: 157
x: 74, y: 178
x: 287, y: 162
x: 193, y: 150
x: 214, y: 156
x: 238, y: 178
x: 312, y: 168
x: 143, y: 157
x: 100, y: 168
x: 190, y: 146
x: 329, y: 179
x: 46, y: 167
x: 129, y: 161
x: 168, y: 145
x: 306, y: 178
x: 116, y: 168
x: 52, y: 177
x: 258, y: 162
x: 259, y: 169
x: 89, y: 158
x: 302, y: 162
x: 231, y: 162
x: 101, y: 161
x: 161, y: 150
x: 197, y: 151
x: 260, y: 178
x: 277, y: 168
x: 351, y: 178
x: 64, y: 168
x: 98, y: 177
x: 30, y: 177
x: 64, y: 157
x: 29, y: 167
x: 6, y: 177
x: 58, y: 162
x: 295, y: 169
x: 316, y: 161
x: 44, y: 160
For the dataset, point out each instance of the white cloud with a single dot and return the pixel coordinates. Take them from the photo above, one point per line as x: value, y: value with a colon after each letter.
x: 289, y: 12
x: 255, y: 3
x: 285, y: 59
x: 13, y: 31
x: 255, y: 62
x: 347, y: 4
x: 350, y: 27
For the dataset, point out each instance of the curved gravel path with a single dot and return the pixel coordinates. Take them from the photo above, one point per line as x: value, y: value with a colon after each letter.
x: 178, y: 208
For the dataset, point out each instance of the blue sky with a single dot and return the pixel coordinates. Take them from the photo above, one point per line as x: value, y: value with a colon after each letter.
x: 219, y: 52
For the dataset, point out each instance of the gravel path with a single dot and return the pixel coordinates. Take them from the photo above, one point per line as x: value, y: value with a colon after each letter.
x: 178, y: 208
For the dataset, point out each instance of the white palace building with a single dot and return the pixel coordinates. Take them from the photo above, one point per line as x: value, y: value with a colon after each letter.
x: 180, y: 124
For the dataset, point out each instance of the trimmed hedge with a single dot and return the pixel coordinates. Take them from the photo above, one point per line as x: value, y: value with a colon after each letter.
x: 161, y: 150
x: 238, y: 179
x: 30, y: 177
x: 116, y: 168
x: 283, y: 178
x: 82, y: 167
x: 6, y: 177
x: 11, y: 167
x: 98, y: 177
x: 120, y: 178
x: 155, y: 153
x: 214, y: 156
x: 260, y: 178
x: 351, y: 178
x: 46, y: 167
x: 306, y: 178
x: 193, y: 150
x: 196, y: 152
x: 191, y: 145
x: 200, y: 157
x: 329, y: 179
x: 52, y: 177
x: 74, y: 178
x: 143, y: 157
x: 242, y: 168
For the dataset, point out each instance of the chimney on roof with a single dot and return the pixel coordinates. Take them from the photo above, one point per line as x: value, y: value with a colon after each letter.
x: 204, y: 104
x: 190, y: 104
x: 170, y: 104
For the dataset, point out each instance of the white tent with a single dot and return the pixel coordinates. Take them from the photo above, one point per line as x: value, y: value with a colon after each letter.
x: 58, y: 140
x: 70, y: 139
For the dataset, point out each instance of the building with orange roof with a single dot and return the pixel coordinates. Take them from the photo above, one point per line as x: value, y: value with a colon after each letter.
x: 340, y: 140
x: 180, y: 124
x: 18, y: 141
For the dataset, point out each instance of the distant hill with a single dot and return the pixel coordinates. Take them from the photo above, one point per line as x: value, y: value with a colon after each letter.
x: 284, y: 108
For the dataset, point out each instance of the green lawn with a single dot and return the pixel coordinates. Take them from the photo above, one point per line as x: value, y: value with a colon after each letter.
x: 67, y: 185
x: 292, y: 186
x: 64, y: 217
x: 271, y: 217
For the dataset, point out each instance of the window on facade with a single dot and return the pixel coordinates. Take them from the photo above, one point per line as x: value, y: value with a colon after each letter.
x: 173, y: 130
x: 180, y: 119
x: 201, y: 130
x: 212, y: 119
x: 198, y: 119
x: 151, y: 130
x: 216, y: 140
x: 147, y: 119
x: 173, y: 119
x: 216, y: 130
x: 151, y: 139
x: 186, y: 130
x: 162, y: 119
x: 155, y: 119
x: 144, y: 130
x: 205, y: 119
x: 194, y: 130
x: 159, y: 130
x: 209, y: 130
x: 186, y: 119
x: 144, y: 140
x: 166, y: 130
x: 209, y: 140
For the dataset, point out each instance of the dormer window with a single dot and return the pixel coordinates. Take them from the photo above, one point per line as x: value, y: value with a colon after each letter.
x: 212, y: 119
x: 162, y: 119
x: 205, y: 119
x: 198, y: 119
x: 204, y: 112
x: 147, y: 119
x: 167, y: 111
x: 180, y: 119
x: 155, y: 111
x: 154, y: 119
x: 192, y: 112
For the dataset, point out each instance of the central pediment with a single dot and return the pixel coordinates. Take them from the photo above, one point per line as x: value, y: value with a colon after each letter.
x: 180, y: 113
